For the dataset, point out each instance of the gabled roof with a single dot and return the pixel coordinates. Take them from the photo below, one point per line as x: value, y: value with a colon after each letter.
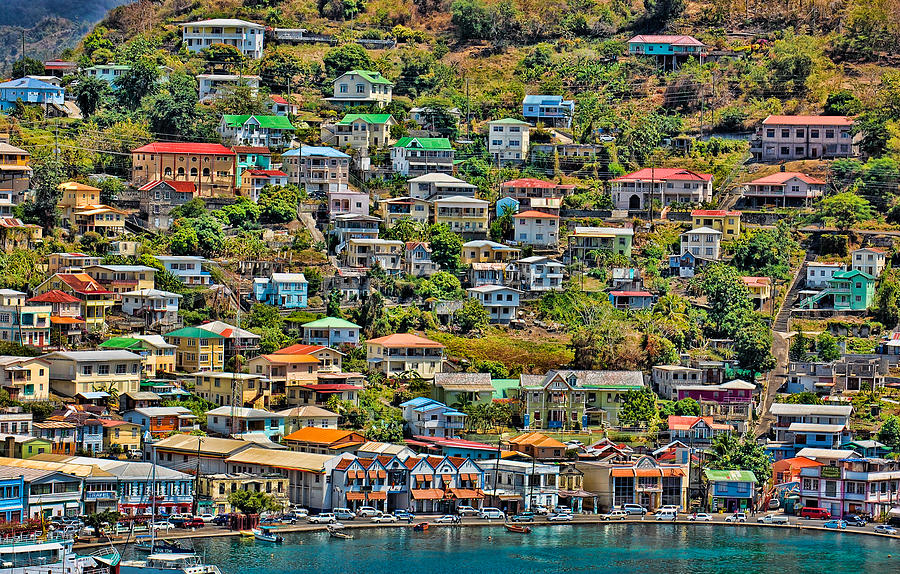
x: 30, y: 84
x: 368, y: 118
x: 781, y: 177
x: 837, y: 121
x: 242, y: 412
x: 283, y: 358
x: 222, y: 22
x: 729, y: 475
x: 424, y: 143
x: 104, y: 355
x: 664, y: 173
x: 185, y: 148
x: 704, y: 230
x: 687, y: 423
x: 464, y: 382
x: 54, y: 296
x: 269, y: 122
x: 536, y: 439
x: 228, y: 331
x: 406, y: 340
x: 179, y: 186
x: 307, y: 411
x: 82, y: 283
x: 675, y: 39
x: 330, y: 323
x: 373, y: 77
x: 194, y: 333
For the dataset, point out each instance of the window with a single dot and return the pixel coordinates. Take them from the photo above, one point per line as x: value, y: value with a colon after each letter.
x: 343, y: 88
x: 785, y: 133
x: 121, y: 369
x: 814, y: 133
x: 102, y: 369
x: 770, y: 133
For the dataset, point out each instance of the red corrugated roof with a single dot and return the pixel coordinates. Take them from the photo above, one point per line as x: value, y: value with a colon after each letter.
x: 713, y: 213
x: 180, y: 186
x: 82, y: 283
x: 299, y: 349
x: 532, y: 214
x: 661, y: 173
x: 55, y: 296
x: 782, y: 176
x: 187, y: 148
x: 808, y: 120
x: 267, y: 172
x: 251, y: 149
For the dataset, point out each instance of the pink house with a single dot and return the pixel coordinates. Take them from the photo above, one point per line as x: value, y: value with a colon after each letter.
x: 736, y: 391
x: 347, y: 202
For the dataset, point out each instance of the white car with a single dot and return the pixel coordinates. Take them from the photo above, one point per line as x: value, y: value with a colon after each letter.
x: 165, y: 525
x: 491, y: 513
x: 207, y: 518
x: 614, y: 515
x: 465, y: 510
x: 666, y: 515
x: 447, y: 519
x: 737, y: 517
x: 560, y: 517
x: 773, y: 519
x: 668, y: 508
x: 366, y: 511
x: 382, y: 518
x: 700, y: 517
x: 324, y: 518
x: 573, y: 444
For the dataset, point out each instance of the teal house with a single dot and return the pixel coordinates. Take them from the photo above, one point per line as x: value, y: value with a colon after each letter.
x: 847, y: 291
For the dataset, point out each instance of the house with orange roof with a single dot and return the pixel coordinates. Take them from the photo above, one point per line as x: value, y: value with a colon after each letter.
x: 536, y: 228
x: 728, y: 222
x: 695, y: 430
x: 669, y: 185
x: 318, y: 440
x: 642, y: 480
x: 788, y: 469
x: 785, y: 188
x: 284, y: 370
x: 538, y: 446
x: 784, y: 138
x: 66, y: 323
x: 330, y: 359
x: 403, y: 352
x: 760, y: 290
x: 95, y: 299
x: 441, y: 483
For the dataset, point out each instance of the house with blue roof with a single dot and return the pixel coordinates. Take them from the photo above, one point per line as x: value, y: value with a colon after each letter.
x: 30, y: 91
x: 319, y: 169
x: 549, y: 110
x: 430, y: 418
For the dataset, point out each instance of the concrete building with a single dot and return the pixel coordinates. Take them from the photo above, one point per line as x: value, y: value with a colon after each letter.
x: 781, y: 138
x: 318, y: 169
x: 362, y: 87
x: 186, y: 268
x: 23, y: 321
x: 538, y: 274
x: 466, y: 216
x: 667, y: 185
x: 588, y: 239
x: 414, y: 156
x: 284, y: 290
x: 212, y: 168
x: 25, y: 379
x: 433, y: 186
x: 359, y: 131
x: 248, y: 37
x: 551, y: 111
x: 398, y: 353
x: 366, y: 253
x: 536, y: 228
x: 869, y: 260
x: 784, y: 189
x: 331, y: 332
x: 251, y: 130
x: 501, y: 303
x: 158, y: 308
x: 702, y: 242
x: 73, y: 372
x: 728, y: 222
x: 249, y: 421
x: 159, y: 198
x: 508, y: 141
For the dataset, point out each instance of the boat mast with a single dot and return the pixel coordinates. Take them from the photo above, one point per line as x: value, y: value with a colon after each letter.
x: 153, y: 505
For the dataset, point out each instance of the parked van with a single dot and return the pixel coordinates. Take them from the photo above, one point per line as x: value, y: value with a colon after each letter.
x: 344, y: 513
x: 667, y: 515
x: 814, y: 512
x: 491, y: 513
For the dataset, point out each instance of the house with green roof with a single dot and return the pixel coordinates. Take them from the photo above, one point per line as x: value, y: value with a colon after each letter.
x: 419, y: 156
x: 197, y: 349
x: 359, y: 131
x: 851, y: 290
x: 730, y: 490
x: 257, y: 131
x: 158, y: 355
x: 365, y: 87
x: 331, y: 332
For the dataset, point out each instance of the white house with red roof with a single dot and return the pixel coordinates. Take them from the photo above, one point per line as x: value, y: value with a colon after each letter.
x: 536, y: 228
x: 782, y: 138
x: 212, y: 168
x: 785, y: 188
x: 281, y: 106
x: 665, y: 184
x: 254, y: 180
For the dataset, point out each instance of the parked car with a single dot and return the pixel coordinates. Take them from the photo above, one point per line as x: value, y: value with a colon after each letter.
x: 207, y: 517
x: 885, y: 529
x: 836, y: 524
x: 135, y: 454
x: 491, y: 513
x: 382, y: 518
x: 344, y: 513
x: 523, y: 517
x: 634, y: 509
x: 404, y: 515
x: 773, y: 519
x: 814, y: 512
x: 855, y: 520
x: 614, y: 515
x: 669, y: 515
x: 323, y: 518
x: 541, y: 509
x: 464, y: 510
x: 560, y: 517
x: 222, y: 520
x: 164, y: 525
x: 700, y: 517
x: 561, y: 509
x: 774, y: 504
x: 669, y: 507
x: 447, y: 519
x: 193, y: 523
x: 737, y: 517
x: 366, y: 511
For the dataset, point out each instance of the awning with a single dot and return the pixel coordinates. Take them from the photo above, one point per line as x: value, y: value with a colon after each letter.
x: 427, y: 494
x: 672, y: 472
x: 648, y: 472
x: 65, y: 320
x: 622, y: 472
x: 382, y: 474
x: 427, y: 477
x: 466, y: 493
x: 446, y: 477
x: 356, y: 496
x: 509, y: 497
x: 373, y: 474
x: 576, y: 494
x: 377, y: 495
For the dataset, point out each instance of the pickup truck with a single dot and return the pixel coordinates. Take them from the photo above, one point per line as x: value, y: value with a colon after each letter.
x: 773, y: 519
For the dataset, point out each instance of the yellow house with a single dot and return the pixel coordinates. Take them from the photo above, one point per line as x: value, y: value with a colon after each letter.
x: 158, y: 355
x: 95, y: 299
x: 125, y: 434
x: 73, y: 372
x: 463, y: 215
x: 123, y: 278
x: 217, y: 387
x: 760, y: 290
x: 197, y: 349
x: 25, y: 378
x: 286, y: 370
x: 728, y: 222
x: 485, y: 251
x: 81, y: 207
x: 76, y: 195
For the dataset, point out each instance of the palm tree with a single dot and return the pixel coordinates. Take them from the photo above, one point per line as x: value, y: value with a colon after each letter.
x: 110, y: 388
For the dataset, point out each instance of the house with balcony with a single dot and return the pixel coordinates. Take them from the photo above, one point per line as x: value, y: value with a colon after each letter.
x: 635, y: 190
x: 15, y: 177
x: 536, y: 228
x: 703, y: 243
x: 70, y: 261
x: 122, y: 278
x: 364, y: 87
x: 378, y: 482
x: 186, y: 268
x: 508, y: 141
x: 237, y: 341
x: 869, y: 260
x: 642, y: 480
x: 283, y: 290
x: 431, y: 186
x: 73, y: 372
x: 60, y: 434
x: 515, y: 486
x: 666, y: 379
x: 563, y: 399
x: 109, y: 73
x: 66, y: 322
x: 785, y: 189
x: 158, y: 356
x: 331, y: 332
x: 728, y: 222
x: 539, y: 274
x: 669, y: 50
x: 359, y: 131
x: 197, y: 349
x: 318, y: 169
x: 96, y: 300
x: 367, y: 253
x: 819, y: 274
x: 490, y: 274
x: 158, y: 308
x: 586, y: 240
x: 253, y: 181
x: 551, y: 111
x: 736, y: 391
x: 261, y: 131
x: 428, y: 417
x: 695, y: 430
x: 533, y: 194
x: 214, y: 490
x: 401, y: 352
x: 846, y: 290
x: 417, y: 260
x: 22, y: 321
x: 798, y: 427
x: 466, y: 216
x: 24, y: 379
x: 31, y: 91
x: 399, y: 208
x: 414, y: 156
x: 486, y: 251
x: 296, y: 418
x: 857, y: 485
x: 760, y: 289
x: 218, y: 387
x: 788, y: 138
x: 250, y: 421
x: 501, y: 302
x: 248, y: 37
x: 285, y: 370
x: 212, y: 168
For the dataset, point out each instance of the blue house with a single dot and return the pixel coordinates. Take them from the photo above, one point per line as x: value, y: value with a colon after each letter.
x: 109, y: 73
x: 12, y: 494
x: 668, y: 49
x: 30, y: 91
x: 251, y: 421
x: 89, y: 436
x: 505, y: 204
x: 548, y: 110
x: 431, y: 418
x: 868, y: 448
x: 730, y: 490
x: 285, y: 290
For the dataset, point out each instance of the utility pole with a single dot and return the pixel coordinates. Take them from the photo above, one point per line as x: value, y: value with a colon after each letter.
x: 237, y: 384
x: 468, y: 119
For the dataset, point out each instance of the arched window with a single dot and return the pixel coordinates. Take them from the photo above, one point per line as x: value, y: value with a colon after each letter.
x: 181, y: 171
x: 205, y: 172
x: 168, y: 172
x: 193, y: 172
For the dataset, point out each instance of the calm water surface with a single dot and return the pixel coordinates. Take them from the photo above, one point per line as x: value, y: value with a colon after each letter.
x: 619, y: 549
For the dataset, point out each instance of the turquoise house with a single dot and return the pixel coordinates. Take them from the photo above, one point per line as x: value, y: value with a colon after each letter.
x: 505, y: 204
x: 285, y: 290
x: 847, y: 290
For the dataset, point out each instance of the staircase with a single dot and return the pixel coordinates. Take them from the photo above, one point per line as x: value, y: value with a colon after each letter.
x: 783, y: 318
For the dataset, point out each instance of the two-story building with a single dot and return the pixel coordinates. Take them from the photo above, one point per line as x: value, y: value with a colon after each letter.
x: 551, y: 111
x: 642, y: 480
x: 851, y: 485
x: 564, y: 399
x: 808, y: 426
x: 331, y: 332
x: 122, y: 278
x: 635, y: 190
x: 846, y: 290
x: 508, y: 141
x: 347, y: 201
x: 159, y: 198
x: 24, y: 379
x: 819, y: 274
x: 15, y: 177
x: 159, y: 422
x: 401, y: 352
x: 212, y: 168
x: 536, y: 228
x: 247, y: 37
x: 728, y: 222
x: 789, y: 138
x: 586, y: 240
x: 433, y: 186
x: 213, y: 86
x: 362, y: 87
x: 501, y: 302
x: 695, y: 430
x: 254, y: 130
x: 318, y: 169
x: 669, y: 50
x: 359, y: 131
x: 417, y: 260
x: 414, y: 156
x: 186, y: 268
x: 731, y: 490
x: 486, y: 251
x: 249, y: 421
x: 784, y: 188
x: 158, y: 355
x: 30, y: 91
x: 870, y: 260
x: 538, y: 274
x: 702, y: 242
x: 96, y: 301
x: 528, y: 193
x: 515, y: 485
x: 466, y: 216
x: 284, y: 290
x: 23, y: 321
x: 666, y: 378
x: 428, y: 417
x: 218, y: 388
x: 354, y: 226
x: 73, y: 372
x: 367, y: 253
x: 66, y: 322
x: 158, y: 308
x: 197, y: 349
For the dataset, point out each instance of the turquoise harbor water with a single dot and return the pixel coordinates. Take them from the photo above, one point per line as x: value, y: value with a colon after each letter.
x: 620, y: 549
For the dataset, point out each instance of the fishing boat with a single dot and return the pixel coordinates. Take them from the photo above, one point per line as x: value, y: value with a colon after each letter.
x: 145, y: 543
x: 168, y: 564
x: 421, y: 527
x: 336, y: 532
x: 52, y: 553
x: 247, y: 533
x: 518, y: 528
x: 267, y: 535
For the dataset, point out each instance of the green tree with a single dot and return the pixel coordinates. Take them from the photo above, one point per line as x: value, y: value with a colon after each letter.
x: 110, y: 189
x: 728, y: 452
x: 313, y: 280
x: 184, y: 241
x: 193, y: 208
x: 262, y: 315
x: 847, y: 209
x: 385, y: 431
x: 446, y: 247
x: 27, y: 67
x: 173, y: 108
x: 886, y: 305
x: 799, y: 347
x: 686, y: 408
x: 345, y: 58
x: 334, y: 304
x: 278, y: 204
x: 889, y: 433
x: 42, y: 210
x: 472, y: 19
x: 728, y: 298
x: 661, y: 12
x: 96, y: 520
x: 90, y: 94
x: 639, y: 406
x: 471, y: 316
x: 249, y: 502
x: 802, y: 398
x: 753, y: 347
x: 223, y: 55
x: 827, y: 347
x: 136, y: 83
x: 441, y: 285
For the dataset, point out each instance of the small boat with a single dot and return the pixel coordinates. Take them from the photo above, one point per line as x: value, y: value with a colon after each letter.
x: 334, y: 533
x: 147, y: 544
x: 267, y: 535
x: 421, y: 527
x: 518, y: 528
x: 247, y: 533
